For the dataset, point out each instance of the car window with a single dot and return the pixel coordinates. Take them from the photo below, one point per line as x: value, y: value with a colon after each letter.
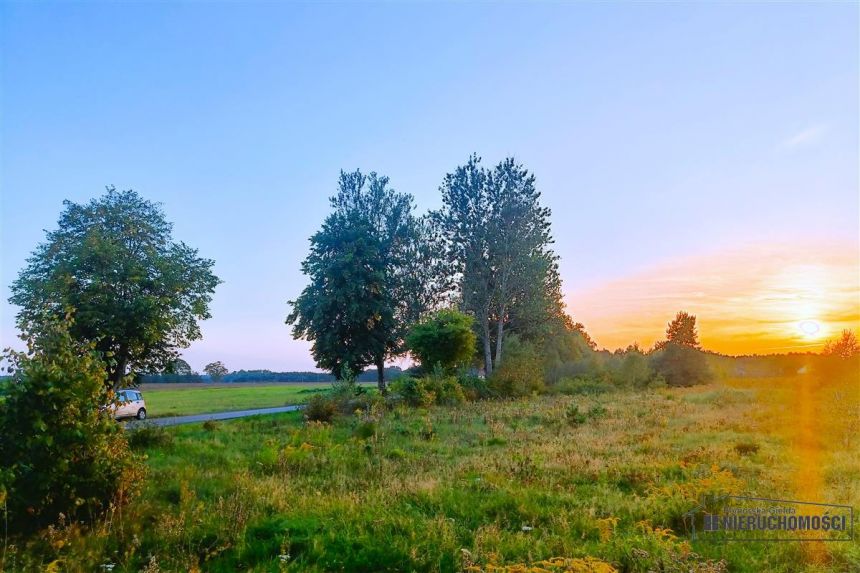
x: 121, y: 396
x: 136, y: 395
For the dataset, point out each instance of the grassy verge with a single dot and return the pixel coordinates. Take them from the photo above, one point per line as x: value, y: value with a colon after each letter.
x: 562, y: 483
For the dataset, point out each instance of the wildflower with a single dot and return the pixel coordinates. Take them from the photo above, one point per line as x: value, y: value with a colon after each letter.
x: 527, y: 528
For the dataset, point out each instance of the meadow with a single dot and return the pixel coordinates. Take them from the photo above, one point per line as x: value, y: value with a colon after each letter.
x: 187, y: 399
x: 595, y: 483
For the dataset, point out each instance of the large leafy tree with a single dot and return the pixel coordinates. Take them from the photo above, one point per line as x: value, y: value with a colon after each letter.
x: 135, y: 293
x: 370, y: 273
x: 216, y: 370
x: 498, y: 241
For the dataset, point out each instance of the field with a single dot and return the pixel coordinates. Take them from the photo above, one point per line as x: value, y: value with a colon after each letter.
x: 552, y: 483
x: 186, y: 399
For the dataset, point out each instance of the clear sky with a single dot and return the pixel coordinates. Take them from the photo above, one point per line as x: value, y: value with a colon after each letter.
x: 694, y: 156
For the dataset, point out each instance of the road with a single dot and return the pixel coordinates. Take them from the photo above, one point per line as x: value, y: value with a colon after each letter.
x: 177, y: 420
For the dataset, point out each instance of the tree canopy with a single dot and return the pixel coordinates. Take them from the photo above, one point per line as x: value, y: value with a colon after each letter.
x: 682, y: 330
x: 134, y: 293
x: 445, y: 338
x: 371, y: 276
x: 216, y: 370
x: 497, y: 238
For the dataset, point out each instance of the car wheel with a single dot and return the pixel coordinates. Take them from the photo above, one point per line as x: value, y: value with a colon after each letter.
x: 141, y: 414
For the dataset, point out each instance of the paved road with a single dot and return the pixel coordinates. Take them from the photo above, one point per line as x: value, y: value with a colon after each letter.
x: 176, y: 420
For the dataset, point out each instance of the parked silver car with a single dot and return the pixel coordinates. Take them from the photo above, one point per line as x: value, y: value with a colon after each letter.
x: 130, y: 404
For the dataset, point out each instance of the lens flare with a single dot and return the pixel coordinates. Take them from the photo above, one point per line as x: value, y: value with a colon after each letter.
x: 809, y: 327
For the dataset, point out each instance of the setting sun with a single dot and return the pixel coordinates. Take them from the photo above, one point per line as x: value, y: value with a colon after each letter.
x: 770, y: 298
x: 810, y: 328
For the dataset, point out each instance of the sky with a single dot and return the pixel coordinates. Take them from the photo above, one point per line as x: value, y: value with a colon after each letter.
x: 695, y: 157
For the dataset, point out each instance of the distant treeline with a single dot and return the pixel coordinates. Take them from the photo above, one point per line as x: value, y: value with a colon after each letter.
x: 263, y: 376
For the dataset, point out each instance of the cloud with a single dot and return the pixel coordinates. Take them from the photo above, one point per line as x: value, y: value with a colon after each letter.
x: 808, y: 136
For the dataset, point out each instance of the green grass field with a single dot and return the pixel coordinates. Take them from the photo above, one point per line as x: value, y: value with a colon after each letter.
x: 200, y: 399
x: 551, y: 483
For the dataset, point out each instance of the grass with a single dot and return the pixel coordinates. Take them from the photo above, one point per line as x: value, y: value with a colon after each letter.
x: 201, y: 399
x: 579, y: 484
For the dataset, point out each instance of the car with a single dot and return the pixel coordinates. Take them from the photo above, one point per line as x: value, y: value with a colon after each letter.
x: 130, y: 404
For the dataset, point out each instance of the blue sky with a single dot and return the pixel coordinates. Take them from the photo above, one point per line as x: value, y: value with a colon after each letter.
x: 656, y: 131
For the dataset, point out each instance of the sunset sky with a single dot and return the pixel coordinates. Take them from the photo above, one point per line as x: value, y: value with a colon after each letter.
x: 698, y: 157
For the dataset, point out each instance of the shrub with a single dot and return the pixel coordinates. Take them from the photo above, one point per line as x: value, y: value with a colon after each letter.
x: 150, y: 436
x: 634, y: 370
x: 321, y: 408
x: 681, y: 365
x: 210, y: 425
x: 522, y: 369
x: 435, y: 388
x: 587, y: 385
x: 746, y: 448
x: 61, y: 452
x: 574, y: 416
x: 446, y: 338
x: 474, y: 387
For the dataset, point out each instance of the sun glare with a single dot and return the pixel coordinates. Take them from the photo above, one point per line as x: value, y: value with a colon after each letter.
x: 810, y: 328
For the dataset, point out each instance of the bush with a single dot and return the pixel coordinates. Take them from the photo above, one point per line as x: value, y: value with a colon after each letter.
x: 445, y: 338
x: 587, y: 385
x: 634, y: 370
x: 321, y: 408
x: 521, y: 372
x: 474, y: 387
x: 150, y: 436
x: 61, y: 451
x: 435, y: 388
x: 681, y: 365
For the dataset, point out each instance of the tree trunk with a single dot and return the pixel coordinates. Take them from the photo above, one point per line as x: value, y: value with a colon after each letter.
x: 115, y: 377
x: 499, y: 330
x: 380, y: 374
x: 488, y: 349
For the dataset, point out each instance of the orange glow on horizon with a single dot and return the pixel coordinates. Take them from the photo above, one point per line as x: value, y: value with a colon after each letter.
x: 761, y: 300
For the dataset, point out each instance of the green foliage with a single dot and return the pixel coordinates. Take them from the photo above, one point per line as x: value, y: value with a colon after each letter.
x: 321, y: 408
x: 474, y: 387
x: 135, y: 293
x: 522, y: 371
x: 435, y: 388
x: 61, y: 452
x: 681, y: 331
x: 681, y: 365
x: 583, y: 385
x: 497, y: 239
x: 635, y: 370
x: 445, y: 338
x: 216, y: 370
x: 150, y: 436
x: 368, y: 270
x: 576, y: 417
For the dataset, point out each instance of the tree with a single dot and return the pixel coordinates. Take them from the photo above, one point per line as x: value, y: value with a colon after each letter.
x: 136, y: 294
x: 61, y: 453
x: 369, y: 270
x: 682, y: 331
x: 844, y: 347
x: 180, y: 367
x: 497, y: 238
x: 445, y: 338
x: 216, y: 370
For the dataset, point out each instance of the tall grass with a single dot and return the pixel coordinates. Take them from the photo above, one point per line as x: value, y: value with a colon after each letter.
x: 488, y: 486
